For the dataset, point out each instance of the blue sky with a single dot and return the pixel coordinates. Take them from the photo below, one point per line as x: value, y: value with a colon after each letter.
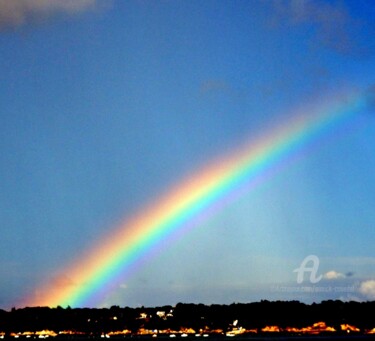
x: 106, y: 104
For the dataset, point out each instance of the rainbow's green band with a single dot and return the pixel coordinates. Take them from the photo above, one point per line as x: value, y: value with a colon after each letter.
x: 99, y: 267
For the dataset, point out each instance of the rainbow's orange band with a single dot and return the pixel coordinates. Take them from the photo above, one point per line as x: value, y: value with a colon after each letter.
x: 96, y: 269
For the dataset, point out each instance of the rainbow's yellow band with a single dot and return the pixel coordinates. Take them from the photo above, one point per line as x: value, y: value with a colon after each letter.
x: 97, y: 268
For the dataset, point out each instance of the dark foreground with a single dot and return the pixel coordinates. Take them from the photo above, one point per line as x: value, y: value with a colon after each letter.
x: 262, y: 337
x: 264, y: 320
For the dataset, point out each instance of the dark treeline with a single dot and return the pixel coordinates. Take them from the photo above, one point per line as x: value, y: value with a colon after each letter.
x: 195, y: 316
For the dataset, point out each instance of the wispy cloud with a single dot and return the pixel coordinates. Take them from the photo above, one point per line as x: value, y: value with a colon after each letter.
x: 213, y: 86
x: 15, y: 13
x: 333, y: 25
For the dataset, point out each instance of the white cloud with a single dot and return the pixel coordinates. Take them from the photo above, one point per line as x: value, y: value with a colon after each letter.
x: 18, y: 12
x: 367, y: 288
x: 350, y: 298
x: 333, y: 275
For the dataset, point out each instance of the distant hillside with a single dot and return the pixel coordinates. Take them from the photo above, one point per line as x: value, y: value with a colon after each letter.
x: 262, y: 317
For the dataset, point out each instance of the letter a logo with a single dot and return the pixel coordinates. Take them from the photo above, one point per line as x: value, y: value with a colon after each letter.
x: 313, y: 269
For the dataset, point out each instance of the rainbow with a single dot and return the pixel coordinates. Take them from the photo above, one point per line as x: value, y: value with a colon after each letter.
x: 201, y: 194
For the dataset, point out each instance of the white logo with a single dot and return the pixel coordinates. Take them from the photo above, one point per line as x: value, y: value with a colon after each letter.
x: 313, y: 269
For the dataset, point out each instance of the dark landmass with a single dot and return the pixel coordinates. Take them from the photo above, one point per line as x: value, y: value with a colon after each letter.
x: 258, y: 319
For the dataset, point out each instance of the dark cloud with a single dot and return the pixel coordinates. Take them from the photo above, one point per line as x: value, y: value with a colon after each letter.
x: 14, y: 13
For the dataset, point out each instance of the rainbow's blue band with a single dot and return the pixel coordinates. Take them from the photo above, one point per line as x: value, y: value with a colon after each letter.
x: 93, y: 274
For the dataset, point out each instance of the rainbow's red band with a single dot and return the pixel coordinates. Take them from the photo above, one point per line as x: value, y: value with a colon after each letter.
x: 96, y: 269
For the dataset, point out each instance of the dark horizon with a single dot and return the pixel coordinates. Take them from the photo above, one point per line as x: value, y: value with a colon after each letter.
x: 262, y: 318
